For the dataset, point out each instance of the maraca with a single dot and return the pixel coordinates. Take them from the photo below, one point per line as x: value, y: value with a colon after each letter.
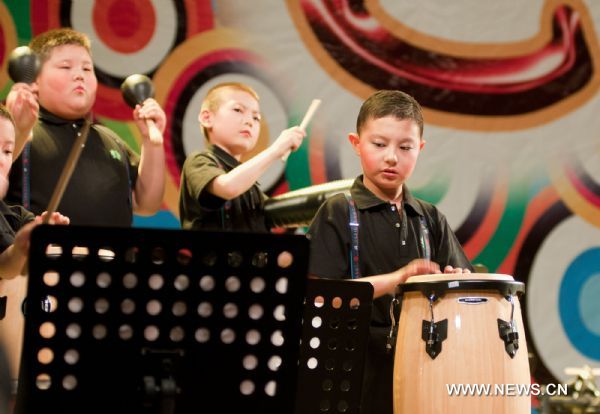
x: 136, y: 89
x: 23, y: 65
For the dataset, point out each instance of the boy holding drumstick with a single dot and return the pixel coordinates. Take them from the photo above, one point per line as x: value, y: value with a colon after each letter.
x: 381, y: 233
x: 218, y: 191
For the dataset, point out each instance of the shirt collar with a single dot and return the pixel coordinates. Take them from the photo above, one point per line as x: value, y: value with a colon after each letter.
x: 49, y: 117
x: 412, y: 202
x: 223, y: 156
x: 365, y: 199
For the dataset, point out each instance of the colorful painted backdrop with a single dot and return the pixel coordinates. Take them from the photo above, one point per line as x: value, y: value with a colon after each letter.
x: 510, y: 91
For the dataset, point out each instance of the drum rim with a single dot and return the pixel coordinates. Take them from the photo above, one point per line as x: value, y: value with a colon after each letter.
x: 439, y: 288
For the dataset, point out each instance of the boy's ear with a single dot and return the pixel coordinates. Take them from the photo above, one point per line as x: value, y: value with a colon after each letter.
x: 205, y: 118
x: 422, y: 144
x: 354, y: 140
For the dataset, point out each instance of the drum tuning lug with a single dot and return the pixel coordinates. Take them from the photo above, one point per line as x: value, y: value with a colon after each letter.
x: 434, y: 333
x: 509, y: 334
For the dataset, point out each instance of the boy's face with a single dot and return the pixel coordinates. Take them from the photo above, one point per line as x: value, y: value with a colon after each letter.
x: 388, y: 149
x: 7, y: 146
x: 235, y: 125
x: 67, y: 83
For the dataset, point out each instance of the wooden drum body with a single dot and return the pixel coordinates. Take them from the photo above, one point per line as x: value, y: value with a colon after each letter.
x: 13, y: 323
x: 473, y: 313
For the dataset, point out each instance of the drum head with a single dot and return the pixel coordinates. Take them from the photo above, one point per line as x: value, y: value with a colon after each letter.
x: 435, y: 286
x: 458, y: 276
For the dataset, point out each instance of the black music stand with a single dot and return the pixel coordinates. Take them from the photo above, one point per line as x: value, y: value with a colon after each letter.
x: 335, y: 333
x: 139, y: 320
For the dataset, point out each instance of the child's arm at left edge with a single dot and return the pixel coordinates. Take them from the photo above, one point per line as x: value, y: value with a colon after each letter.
x: 12, y: 259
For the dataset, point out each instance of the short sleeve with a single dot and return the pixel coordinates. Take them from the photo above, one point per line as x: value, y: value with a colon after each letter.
x: 25, y: 216
x: 12, y: 218
x: 198, y: 171
x: 134, y: 162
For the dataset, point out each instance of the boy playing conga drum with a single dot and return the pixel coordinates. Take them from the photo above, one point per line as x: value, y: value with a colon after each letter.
x: 381, y: 233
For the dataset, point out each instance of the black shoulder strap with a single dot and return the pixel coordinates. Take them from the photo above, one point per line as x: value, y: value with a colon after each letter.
x: 424, y: 238
x: 353, y: 224
x: 424, y: 234
x: 26, y: 176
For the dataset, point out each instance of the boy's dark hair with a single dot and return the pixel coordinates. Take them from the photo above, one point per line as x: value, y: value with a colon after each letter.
x: 43, y: 43
x: 4, y: 113
x: 389, y: 102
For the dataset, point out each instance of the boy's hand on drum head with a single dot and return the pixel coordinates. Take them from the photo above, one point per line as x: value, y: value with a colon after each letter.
x: 450, y: 269
x: 417, y: 267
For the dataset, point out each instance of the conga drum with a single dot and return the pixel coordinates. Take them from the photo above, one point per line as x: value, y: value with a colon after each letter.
x: 12, y: 294
x: 461, y: 346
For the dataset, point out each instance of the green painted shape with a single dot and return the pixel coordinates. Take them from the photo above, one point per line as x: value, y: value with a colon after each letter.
x: 20, y: 11
x: 501, y: 243
x: 6, y: 90
x: 538, y: 183
x: 435, y: 190
x: 123, y: 130
x: 297, y: 168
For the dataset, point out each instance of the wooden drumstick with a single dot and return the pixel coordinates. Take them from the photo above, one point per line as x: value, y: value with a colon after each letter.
x: 305, y: 121
x: 65, y: 175
x: 67, y: 171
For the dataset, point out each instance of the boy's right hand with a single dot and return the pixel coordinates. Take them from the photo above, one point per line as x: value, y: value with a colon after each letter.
x: 417, y: 267
x: 289, y: 140
x: 23, y: 105
x: 23, y: 236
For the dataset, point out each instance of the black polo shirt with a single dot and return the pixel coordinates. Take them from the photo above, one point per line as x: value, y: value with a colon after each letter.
x: 99, y: 191
x: 12, y: 218
x: 385, y: 244
x: 200, y: 209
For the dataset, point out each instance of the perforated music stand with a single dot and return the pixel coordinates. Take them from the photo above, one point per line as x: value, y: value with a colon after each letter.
x: 335, y: 334
x: 139, y: 320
